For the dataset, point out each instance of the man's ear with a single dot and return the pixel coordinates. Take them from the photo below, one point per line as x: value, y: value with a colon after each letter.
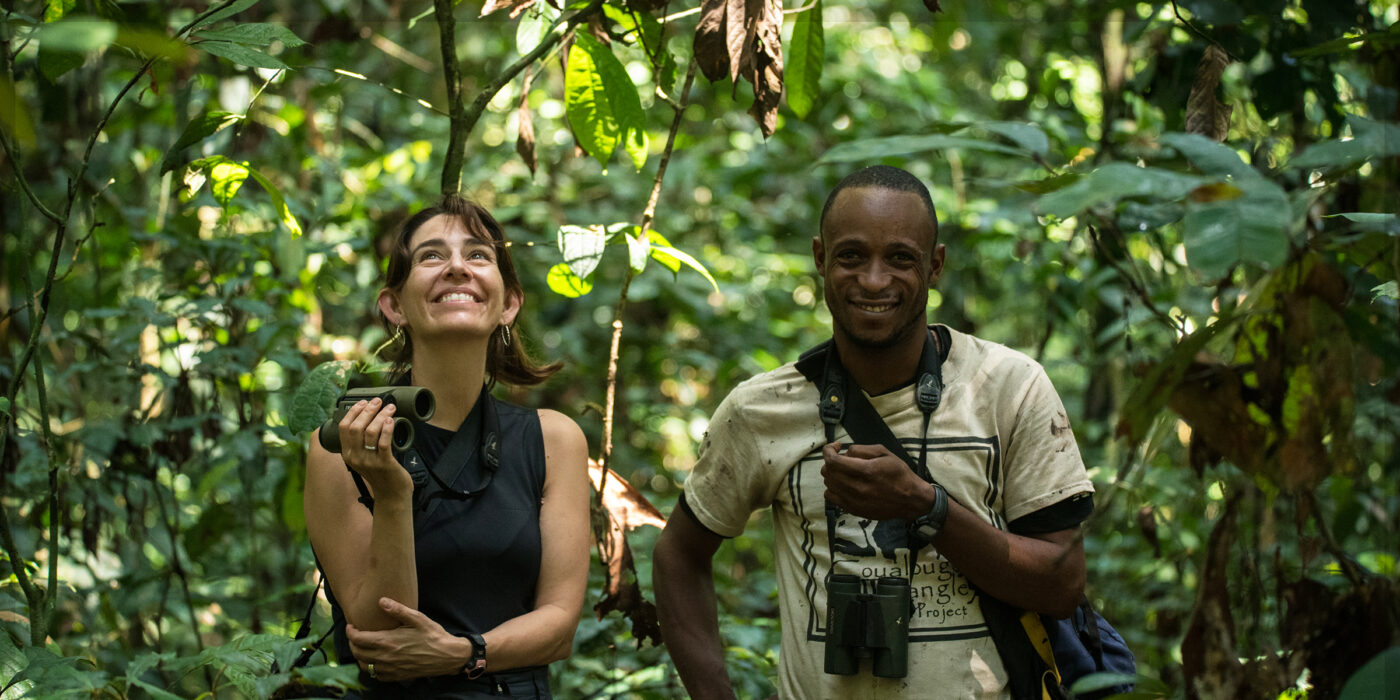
x: 936, y: 265
x: 514, y: 300
x: 389, y: 306
x: 819, y: 256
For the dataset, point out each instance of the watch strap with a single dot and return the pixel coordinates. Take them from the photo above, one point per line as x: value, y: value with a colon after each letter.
x: 476, y: 665
x: 928, y: 525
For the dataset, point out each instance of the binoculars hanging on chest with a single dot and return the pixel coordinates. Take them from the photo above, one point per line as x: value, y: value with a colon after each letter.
x: 411, y: 404
x: 868, y: 625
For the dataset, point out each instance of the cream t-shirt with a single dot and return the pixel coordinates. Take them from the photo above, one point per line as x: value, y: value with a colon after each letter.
x: 1000, y: 443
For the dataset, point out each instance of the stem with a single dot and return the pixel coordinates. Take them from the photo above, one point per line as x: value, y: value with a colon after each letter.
x: 464, y: 118
x: 647, y: 216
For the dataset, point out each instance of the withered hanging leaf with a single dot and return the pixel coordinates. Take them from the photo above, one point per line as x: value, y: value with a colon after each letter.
x: 1209, y: 660
x: 624, y: 508
x: 525, y: 125
x: 516, y: 6
x: 711, y: 52
x: 767, y: 77
x: 1211, y: 399
x: 624, y: 502
x: 1205, y: 114
x: 738, y: 34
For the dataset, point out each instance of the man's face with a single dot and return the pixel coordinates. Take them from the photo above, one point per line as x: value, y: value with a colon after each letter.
x: 877, y: 257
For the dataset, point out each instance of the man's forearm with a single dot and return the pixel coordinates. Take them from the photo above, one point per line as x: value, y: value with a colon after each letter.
x: 686, y: 607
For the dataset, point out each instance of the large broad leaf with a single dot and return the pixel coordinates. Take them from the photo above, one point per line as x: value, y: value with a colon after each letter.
x: 197, y: 130
x: 240, y: 54
x: 314, y: 399
x: 1370, y: 139
x: 1250, y: 228
x: 253, y: 34
x: 890, y: 146
x: 564, y: 282
x: 804, y: 66
x: 1027, y: 136
x: 1113, y: 182
x: 77, y: 35
x: 1370, y: 221
x: 227, y: 12
x: 228, y: 177
x: 278, y: 202
x: 1210, y: 157
x: 534, y: 27
x: 602, y: 103
x: 582, y: 248
x: 1377, y: 679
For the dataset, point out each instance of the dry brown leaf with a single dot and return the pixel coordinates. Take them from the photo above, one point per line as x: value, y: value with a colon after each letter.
x: 626, y: 504
x: 738, y: 30
x: 624, y: 509
x: 1205, y: 114
x: 525, y: 126
x: 709, y: 46
x: 1209, y: 660
x: 516, y: 6
x: 767, y: 78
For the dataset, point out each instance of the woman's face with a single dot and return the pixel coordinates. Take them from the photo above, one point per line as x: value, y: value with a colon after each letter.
x: 454, y: 285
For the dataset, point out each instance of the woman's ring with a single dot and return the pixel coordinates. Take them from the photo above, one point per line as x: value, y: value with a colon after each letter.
x: 371, y: 671
x: 371, y: 448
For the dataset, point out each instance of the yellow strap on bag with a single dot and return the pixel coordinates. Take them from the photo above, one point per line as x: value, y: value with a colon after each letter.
x: 1040, y: 639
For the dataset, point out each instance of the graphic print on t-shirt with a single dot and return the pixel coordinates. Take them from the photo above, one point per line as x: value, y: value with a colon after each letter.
x: 945, y: 603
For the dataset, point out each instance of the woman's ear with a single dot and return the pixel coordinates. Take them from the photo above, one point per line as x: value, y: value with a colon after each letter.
x: 512, y: 308
x: 389, y: 306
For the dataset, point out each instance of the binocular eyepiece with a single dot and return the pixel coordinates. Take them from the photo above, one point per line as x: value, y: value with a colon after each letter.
x: 412, y: 403
x: 867, y: 625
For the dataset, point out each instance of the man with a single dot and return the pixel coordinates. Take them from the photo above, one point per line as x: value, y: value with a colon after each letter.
x: 998, y: 446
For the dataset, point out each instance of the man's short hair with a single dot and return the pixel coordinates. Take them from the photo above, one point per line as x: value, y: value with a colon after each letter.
x: 886, y: 177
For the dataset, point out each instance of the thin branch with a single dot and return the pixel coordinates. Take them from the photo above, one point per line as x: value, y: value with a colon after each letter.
x: 648, y: 216
x: 1137, y: 287
x: 1194, y: 30
x: 463, y: 117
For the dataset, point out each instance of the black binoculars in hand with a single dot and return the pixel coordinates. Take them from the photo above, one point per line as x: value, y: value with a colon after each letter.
x: 867, y: 625
x: 412, y: 403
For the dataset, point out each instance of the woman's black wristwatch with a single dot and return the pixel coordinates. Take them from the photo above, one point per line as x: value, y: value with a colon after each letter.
x: 476, y: 665
x: 928, y: 525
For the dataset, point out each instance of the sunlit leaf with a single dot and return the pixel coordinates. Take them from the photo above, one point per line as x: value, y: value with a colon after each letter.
x: 279, y: 203
x: 864, y: 150
x: 534, y: 26
x: 564, y: 282
x: 1249, y: 229
x: 315, y: 397
x: 805, y: 60
x: 254, y: 34
x: 582, y: 247
x: 602, y: 103
x: 673, y: 258
x: 54, y: 10
x: 240, y: 54
x: 638, y: 250
x: 228, y: 178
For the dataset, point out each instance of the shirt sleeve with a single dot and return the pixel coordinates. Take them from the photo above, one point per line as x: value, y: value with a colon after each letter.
x: 728, y: 483
x: 1043, y: 464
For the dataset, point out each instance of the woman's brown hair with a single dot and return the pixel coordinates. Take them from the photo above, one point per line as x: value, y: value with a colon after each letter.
x: 510, y: 363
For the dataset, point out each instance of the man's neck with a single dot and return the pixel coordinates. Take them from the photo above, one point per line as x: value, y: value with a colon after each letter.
x: 879, y: 370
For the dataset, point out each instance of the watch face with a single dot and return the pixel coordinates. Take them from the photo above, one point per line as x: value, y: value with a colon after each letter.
x: 925, y: 531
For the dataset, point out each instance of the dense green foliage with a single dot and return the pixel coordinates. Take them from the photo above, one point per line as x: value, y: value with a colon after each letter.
x: 1186, y: 211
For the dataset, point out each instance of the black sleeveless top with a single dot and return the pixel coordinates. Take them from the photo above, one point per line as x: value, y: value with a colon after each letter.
x: 478, y: 560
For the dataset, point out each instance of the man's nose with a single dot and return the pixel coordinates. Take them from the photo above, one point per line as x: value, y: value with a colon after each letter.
x: 874, y: 277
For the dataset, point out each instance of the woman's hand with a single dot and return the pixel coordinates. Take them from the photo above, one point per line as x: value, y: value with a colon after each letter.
x: 366, y: 439
x: 417, y: 648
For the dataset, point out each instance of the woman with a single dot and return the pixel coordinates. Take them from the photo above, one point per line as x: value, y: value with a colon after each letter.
x: 461, y: 572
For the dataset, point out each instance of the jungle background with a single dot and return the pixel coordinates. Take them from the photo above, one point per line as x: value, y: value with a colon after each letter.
x: 1185, y: 210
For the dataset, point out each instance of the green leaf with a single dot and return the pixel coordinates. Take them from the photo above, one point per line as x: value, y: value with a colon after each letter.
x: 1370, y: 139
x: 253, y: 34
x: 534, y: 26
x: 582, y: 248
x: 1390, y: 290
x: 54, y: 63
x: 638, y: 250
x: 1210, y: 157
x: 638, y: 27
x: 278, y: 202
x: 240, y: 54
x: 663, y: 252
x: 564, y: 282
x: 77, y: 35
x: 314, y: 399
x: 1371, y: 221
x: 4, y: 405
x: 227, y: 12
x: 197, y: 130
x: 228, y: 178
x: 1377, y: 679
x: 601, y: 103
x: 54, y: 10
x: 804, y: 65
x: 1249, y: 229
x: 1027, y: 136
x: 1049, y: 184
x: 890, y: 146
x: 1113, y: 182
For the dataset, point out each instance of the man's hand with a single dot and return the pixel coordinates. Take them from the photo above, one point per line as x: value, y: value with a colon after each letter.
x: 869, y: 481
x: 417, y: 648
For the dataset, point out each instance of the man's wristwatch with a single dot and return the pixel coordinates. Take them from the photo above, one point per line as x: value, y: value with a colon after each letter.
x: 476, y: 665
x: 928, y: 525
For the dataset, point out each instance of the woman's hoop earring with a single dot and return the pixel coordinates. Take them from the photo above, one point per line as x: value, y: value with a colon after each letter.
x: 398, y: 338
x: 505, y: 335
